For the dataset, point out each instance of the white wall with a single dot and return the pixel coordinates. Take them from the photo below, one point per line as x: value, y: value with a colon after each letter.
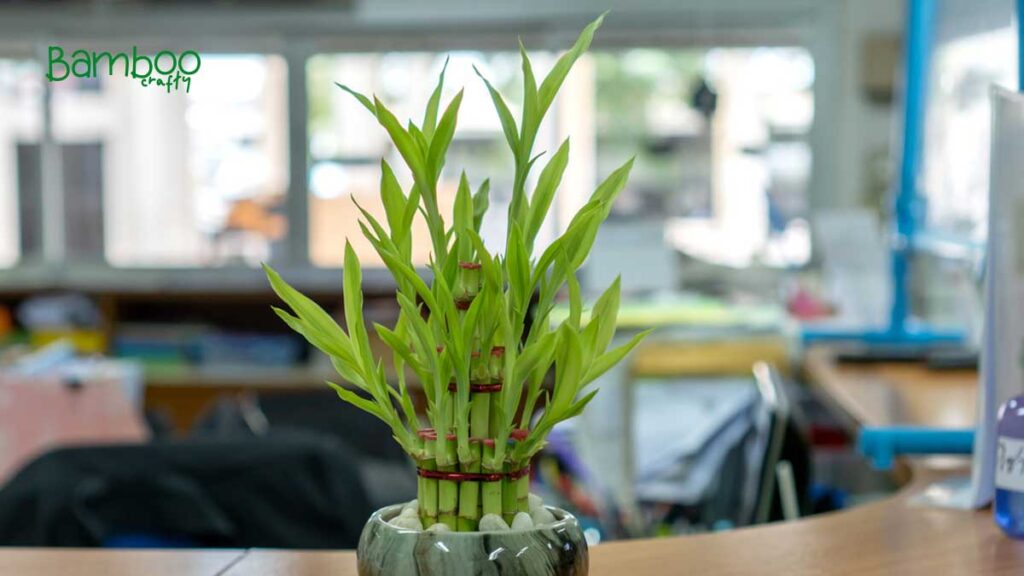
x: 863, y: 128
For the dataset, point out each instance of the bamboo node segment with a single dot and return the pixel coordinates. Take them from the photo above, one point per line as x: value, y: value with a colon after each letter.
x: 451, y: 476
x: 517, y: 435
x: 517, y: 474
x: 488, y: 388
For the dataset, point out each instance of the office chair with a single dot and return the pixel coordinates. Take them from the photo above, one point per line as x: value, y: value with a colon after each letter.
x: 286, y: 491
x: 386, y: 471
x: 784, y: 470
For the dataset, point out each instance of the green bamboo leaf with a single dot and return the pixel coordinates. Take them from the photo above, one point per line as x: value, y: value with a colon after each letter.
x: 601, y: 328
x: 418, y: 137
x: 424, y: 345
x: 424, y: 342
x: 534, y: 390
x: 551, y: 84
x: 517, y: 266
x: 445, y: 304
x: 605, y: 195
x: 308, y: 311
x: 508, y: 123
x: 575, y: 303
x: 353, y: 298
x: 462, y: 212
x: 411, y: 207
x: 475, y: 315
x: 578, y: 406
x: 492, y: 270
x: 608, y: 190
x: 606, y: 361
x: 407, y: 147
x: 405, y: 400
x: 380, y: 235
x: 537, y: 356
x: 430, y: 116
x: 443, y: 135
x: 481, y: 201
x: 573, y: 234
x: 348, y: 370
x: 547, y: 184
x: 393, y: 200
x: 400, y: 348
x: 404, y: 272
x: 358, y: 401
x: 326, y: 342
x: 361, y: 98
x: 568, y: 370
x: 532, y: 114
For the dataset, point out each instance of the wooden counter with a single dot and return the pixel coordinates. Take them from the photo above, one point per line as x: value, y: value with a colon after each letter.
x: 891, y: 537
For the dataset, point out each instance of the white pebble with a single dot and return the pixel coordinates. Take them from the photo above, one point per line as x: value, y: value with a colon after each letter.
x: 413, y: 505
x: 522, y: 521
x: 542, y: 516
x: 410, y: 512
x: 493, y: 523
x: 407, y: 523
x: 439, y: 527
x: 535, y: 501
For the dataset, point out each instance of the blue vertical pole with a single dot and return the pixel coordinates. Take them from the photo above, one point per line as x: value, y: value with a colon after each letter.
x: 920, y: 28
x: 1020, y: 47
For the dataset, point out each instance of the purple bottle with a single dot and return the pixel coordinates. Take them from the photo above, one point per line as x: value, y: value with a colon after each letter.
x: 1009, y: 504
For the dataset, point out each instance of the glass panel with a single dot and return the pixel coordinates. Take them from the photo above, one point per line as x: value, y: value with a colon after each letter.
x: 975, y: 47
x: 20, y: 124
x: 723, y: 160
x: 182, y: 178
x: 722, y: 169
x: 346, y: 144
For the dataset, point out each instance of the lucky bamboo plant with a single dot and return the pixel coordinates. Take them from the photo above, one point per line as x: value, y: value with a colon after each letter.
x: 464, y: 333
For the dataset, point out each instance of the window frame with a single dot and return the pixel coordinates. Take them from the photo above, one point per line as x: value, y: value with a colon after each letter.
x: 323, y: 31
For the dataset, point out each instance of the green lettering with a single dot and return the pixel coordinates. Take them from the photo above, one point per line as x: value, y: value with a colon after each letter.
x: 135, y: 64
x: 81, y: 57
x: 156, y: 62
x: 181, y: 62
x: 56, y: 56
x: 97, y: 57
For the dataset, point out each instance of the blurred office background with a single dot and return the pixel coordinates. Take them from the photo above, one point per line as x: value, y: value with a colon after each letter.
x: 133, y: 222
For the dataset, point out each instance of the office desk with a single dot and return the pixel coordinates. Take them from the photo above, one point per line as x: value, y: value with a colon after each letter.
x: 891, y: 393
x: 885, y: 538
x: 98, y: 562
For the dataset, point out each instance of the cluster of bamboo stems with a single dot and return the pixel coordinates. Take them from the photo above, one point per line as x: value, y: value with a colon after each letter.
x: 465, y: 335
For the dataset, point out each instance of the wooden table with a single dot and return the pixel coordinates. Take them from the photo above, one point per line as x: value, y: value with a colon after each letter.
x: 885, y: 538
x: 888, y: 393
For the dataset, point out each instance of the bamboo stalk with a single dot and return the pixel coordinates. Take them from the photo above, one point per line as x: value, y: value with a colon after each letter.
x: 448, y: 491
x: 426, y: 489
x: 523, y: 493
x: 469, y: 496
x: 469, y: 492
x: 509, y: 506
x: 490, y: 492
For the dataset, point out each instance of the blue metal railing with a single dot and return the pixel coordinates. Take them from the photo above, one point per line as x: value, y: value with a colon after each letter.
x: 909, y: 205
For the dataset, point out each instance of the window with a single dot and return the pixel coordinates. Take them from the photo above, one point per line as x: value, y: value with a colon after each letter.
x: 199, y: 179
x: 177, y: 179
x: 346, y: 144
x: 723, y: 161
x: 20, y: 124
x: 975, y: 47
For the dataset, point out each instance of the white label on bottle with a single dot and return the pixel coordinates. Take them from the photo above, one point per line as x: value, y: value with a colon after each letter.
x: 1010, y: 464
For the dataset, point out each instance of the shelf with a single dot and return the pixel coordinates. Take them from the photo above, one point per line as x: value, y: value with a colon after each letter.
x: 239, y: 377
